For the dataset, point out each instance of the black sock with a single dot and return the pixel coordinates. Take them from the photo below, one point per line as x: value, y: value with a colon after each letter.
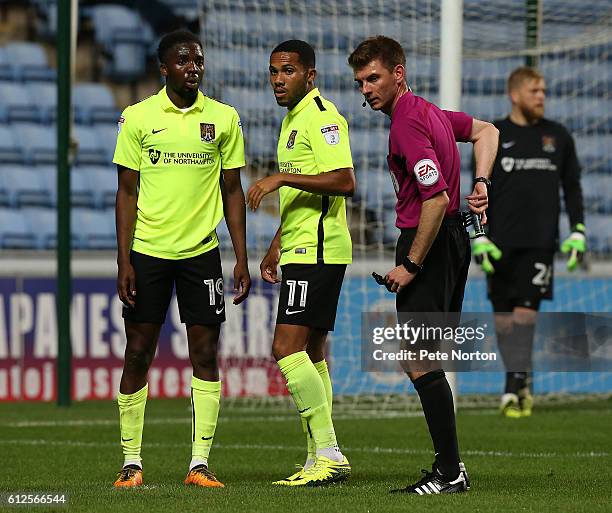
x: 437, y: 401
x: 515, y: 381
x: 516, y: 348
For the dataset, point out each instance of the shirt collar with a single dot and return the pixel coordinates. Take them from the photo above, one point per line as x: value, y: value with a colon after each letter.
x: 304, y: 101
x: 406, y: 97
x: 167, y: 105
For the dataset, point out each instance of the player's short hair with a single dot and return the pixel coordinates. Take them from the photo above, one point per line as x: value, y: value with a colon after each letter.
x: 305, y: 52
x: 174, y: 38
x: 519, y: 75
x: 387, y: 50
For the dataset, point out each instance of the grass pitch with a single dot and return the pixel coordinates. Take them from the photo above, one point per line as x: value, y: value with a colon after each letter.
x: 558, y: 460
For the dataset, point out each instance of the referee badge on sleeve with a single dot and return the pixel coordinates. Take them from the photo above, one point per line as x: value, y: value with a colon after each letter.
x: 331, y: 134
x: 120, y: 124
x: 426, y: 172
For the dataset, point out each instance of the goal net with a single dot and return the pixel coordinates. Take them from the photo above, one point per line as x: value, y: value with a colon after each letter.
x: 574, y: 53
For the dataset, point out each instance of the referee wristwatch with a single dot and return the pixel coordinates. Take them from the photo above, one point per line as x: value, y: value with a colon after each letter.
x: 482, y: 179
x: 412, y: 267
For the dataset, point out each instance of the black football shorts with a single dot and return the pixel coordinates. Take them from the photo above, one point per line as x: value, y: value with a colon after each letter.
x: 522, y: 277
x: 439, y: 287
x: 199, y: 288
x: 309, y: 295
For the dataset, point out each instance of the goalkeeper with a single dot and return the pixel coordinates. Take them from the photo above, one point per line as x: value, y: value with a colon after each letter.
x: 535, y: 158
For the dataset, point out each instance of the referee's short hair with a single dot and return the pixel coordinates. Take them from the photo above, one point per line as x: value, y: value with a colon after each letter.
x: 305, y: 52
x: 174, y: 38
x: 383, y: 48
x: 519, y: 75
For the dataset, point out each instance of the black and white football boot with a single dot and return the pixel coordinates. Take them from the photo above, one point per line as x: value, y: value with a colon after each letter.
x: 434, y: 483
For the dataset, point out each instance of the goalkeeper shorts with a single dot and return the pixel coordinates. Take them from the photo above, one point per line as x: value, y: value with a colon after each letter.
x: 523, y: 277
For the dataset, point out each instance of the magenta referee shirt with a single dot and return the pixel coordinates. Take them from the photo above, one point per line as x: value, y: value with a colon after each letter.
x: 423, y: 157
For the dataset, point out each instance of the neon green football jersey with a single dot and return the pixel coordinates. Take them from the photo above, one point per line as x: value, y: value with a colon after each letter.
x: 179, y: 155
x: 313, y: 139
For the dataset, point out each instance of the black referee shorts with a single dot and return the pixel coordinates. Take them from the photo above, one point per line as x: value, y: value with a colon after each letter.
x: 309, y: 295
x: 522, y: 277
x: 439, y: 287
x: 199, y: 288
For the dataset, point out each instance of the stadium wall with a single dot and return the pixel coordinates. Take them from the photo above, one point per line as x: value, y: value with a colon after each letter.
x: 28, y: 335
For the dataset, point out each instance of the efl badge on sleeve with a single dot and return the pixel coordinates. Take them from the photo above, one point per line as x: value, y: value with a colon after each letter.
x: 291, y: 140
x: 120, y: 124
x: 207, y: 132
x: 331, y: 134
x: 548, y: 144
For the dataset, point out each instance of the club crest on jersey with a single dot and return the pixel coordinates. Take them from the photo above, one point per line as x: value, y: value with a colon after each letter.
x: 291, y: 140
x: 207, y: 132
x: 548, y: 143
x: 331, y: 134
x: 154, y: 155
x: 426, y: 172
x: 507, y: 164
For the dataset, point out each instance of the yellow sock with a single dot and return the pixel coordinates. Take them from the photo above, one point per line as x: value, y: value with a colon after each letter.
x: 131, y: 422
x: 323, y: 371
x: 205, y: 397
x: 306, y: 388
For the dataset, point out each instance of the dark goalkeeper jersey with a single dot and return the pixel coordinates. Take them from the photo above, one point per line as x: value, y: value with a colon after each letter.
x: 532, y: 163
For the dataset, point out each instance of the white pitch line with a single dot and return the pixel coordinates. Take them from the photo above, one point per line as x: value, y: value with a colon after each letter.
x: 228, y: 419
x: 267, y: 447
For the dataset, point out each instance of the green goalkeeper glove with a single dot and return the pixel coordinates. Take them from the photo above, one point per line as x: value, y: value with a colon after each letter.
x: 483, y: 251
x: 575, y: 245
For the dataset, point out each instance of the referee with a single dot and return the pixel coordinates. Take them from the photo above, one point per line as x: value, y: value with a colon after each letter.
x: 178, y: 156
x: 313, y: 248
x: 536, y: 158
x: 433, y: 252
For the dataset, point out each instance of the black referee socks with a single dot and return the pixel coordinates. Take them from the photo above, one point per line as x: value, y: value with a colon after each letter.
x: 437, y: 401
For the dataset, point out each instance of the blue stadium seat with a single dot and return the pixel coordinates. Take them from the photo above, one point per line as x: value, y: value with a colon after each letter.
x: 44, y: 96
x: 369, y: 142
x: 486, y: 107
x: 126, y: 36
x: 81, y: 195
x: 93, y: 229
x: 43, y: 225
x: 38, y: 143
x: 6, y: 70
x: 262, y: 228
x: 25, y: 187
x: 90, y: 149
x: 107, y: 135
x: 10, y: 151
x: 260, y: 142
x: 375, y: 190
x: 94, y: 103
x: 16, y: 104
x: 29, y: 61
x: 15, y: 233
x: 102, y: 183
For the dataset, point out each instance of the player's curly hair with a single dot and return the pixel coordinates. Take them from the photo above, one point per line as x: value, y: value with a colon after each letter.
x: 305, y: 52
x: 174, y: 38
x: 383, y: 48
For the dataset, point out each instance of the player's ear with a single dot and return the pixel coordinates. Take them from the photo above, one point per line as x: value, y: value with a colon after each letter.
x: 163, y: 69
x: 311, y: 76
x: 399, y: 72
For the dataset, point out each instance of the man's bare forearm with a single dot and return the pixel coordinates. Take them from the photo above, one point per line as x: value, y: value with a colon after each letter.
x: 432, y: 214
x: 125, y: 221
x: 486, y: 141
x: 235, y: 217
x: 340, y: 182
